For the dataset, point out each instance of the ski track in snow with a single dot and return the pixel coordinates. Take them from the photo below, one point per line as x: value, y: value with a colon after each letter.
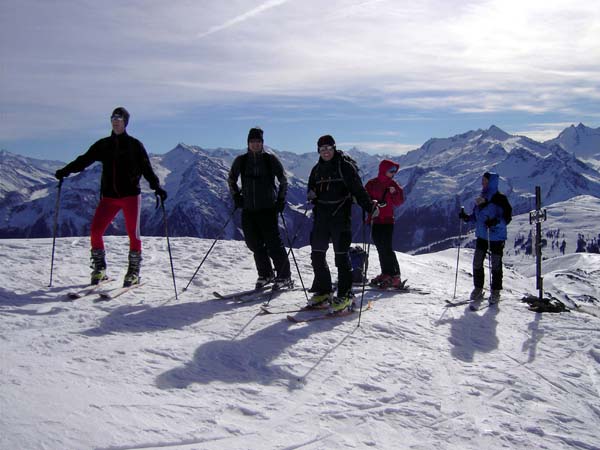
x: 147, y: 372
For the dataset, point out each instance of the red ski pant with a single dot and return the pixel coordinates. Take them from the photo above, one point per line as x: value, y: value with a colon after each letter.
x: 107, y: 210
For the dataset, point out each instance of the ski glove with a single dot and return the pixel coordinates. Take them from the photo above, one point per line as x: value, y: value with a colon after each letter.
x: 61, y: 173
x: 491, y: 222
x: 160, y: 192
x: 280, y: 205
x: 464, y: 216
x: 311, y: 196
x: 238, y: 201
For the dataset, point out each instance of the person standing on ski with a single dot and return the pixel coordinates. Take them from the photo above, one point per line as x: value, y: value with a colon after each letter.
x: 124, y: 161
x: 388, y: 195
x: 490, y: 215
x: 332, y: 184
x: 261, y: 203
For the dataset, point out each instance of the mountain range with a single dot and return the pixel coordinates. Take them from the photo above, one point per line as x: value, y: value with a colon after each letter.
x: 438, y: 178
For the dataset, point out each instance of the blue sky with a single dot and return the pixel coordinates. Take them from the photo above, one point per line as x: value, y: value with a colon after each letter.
x: 381, y: 75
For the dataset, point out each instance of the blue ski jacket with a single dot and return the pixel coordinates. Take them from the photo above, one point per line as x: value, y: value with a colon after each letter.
x: 488, y: 210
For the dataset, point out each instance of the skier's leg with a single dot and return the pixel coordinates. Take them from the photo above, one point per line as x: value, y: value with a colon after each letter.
x: 319, y: 242
x: 131, y: 212
x: 106, y: 211
x: 255, y: 242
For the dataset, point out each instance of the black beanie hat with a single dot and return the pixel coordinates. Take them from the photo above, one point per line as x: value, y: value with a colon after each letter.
x: 255, y: 133
x: 325, y: 140
x: 487, y: 175
x: 120, y: 111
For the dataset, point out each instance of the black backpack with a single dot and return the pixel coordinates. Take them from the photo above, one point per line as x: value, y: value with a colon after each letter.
x: 502, y: 201
x: 357, y: 260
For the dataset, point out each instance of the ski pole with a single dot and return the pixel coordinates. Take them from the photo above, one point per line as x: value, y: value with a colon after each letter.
x: 489, y: 258
x: 210, y: 249
x: 162, y: 204
x: 54, y: 228
x: 298, y: 229
x: 366, y: 267
x: 462, y: 211
x: 293, y: 256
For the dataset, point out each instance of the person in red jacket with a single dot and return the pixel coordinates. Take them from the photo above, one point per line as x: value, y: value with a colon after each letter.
x: 388, y: 195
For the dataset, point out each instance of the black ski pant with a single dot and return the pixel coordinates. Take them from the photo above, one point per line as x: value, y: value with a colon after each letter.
x: 326, y: 229
x: 382, y: 238
x: 497, y: 250
x: 261, y: 233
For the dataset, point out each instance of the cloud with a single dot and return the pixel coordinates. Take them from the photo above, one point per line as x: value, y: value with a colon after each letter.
x: 544, y: 131
x: 380, y: 147
x: 481, y: 56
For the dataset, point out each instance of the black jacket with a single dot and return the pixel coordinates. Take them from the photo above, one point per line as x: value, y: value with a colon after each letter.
x: 258, y: 172
x: 335, y: 182
x: 124, y: 160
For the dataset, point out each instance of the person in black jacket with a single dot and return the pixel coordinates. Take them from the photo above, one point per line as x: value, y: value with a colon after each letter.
x: 332, y: 184
x: 261, y: 201
x: 124, y: 161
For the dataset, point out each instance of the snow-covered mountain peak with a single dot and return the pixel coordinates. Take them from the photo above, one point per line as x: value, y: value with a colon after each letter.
x: 581, y: 140
x: 496, y: 133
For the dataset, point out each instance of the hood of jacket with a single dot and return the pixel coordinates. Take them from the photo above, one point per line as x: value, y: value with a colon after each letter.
x: 384, y: 166
x: 492, y: 186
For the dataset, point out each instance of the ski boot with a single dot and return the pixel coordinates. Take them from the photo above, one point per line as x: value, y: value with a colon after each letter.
x: 392, y: 282
x: 98, y: 266
x: 261, y: 282
x: 133, y: 271
x: 319, y: 300
x: 283, y: 283
x: 345, y: 302
x: 494, y: 297
x: 476, y: 295
x: 378, y: 279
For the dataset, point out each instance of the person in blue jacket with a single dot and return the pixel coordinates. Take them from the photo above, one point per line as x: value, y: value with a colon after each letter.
x: 490, y: 214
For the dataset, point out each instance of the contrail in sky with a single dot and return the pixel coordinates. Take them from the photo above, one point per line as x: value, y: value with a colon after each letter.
x: 243, y: 17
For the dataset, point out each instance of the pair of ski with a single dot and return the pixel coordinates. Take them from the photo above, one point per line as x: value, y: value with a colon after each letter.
x: 403, y: 288
x: 251, y: 295
x: 104, y: 295
x: 473, y: 306
x: 328, y: 315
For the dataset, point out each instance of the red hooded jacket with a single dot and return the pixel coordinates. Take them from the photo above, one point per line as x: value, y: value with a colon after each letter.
x: 379, y: 189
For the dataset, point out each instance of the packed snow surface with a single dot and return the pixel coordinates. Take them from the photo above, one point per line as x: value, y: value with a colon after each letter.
x: 147, y: 371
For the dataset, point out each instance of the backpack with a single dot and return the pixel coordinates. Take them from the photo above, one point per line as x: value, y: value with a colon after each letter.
x: 357, y: 262
x: 350, y: 160
x: 502, y: 201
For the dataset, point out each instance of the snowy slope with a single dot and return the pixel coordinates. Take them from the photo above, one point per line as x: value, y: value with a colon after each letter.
x: 148, y: 372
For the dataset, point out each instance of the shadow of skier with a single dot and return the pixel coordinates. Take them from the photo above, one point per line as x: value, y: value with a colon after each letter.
x: 473, y: 332
x: 148, y: 318
x: 530, y: 345
x: 37, y: 297
x: 248, y: 360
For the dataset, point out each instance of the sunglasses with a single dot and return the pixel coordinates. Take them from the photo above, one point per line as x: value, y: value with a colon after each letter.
x: 326, y: 148
x: 117, y: 117
x: 392, y: 170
